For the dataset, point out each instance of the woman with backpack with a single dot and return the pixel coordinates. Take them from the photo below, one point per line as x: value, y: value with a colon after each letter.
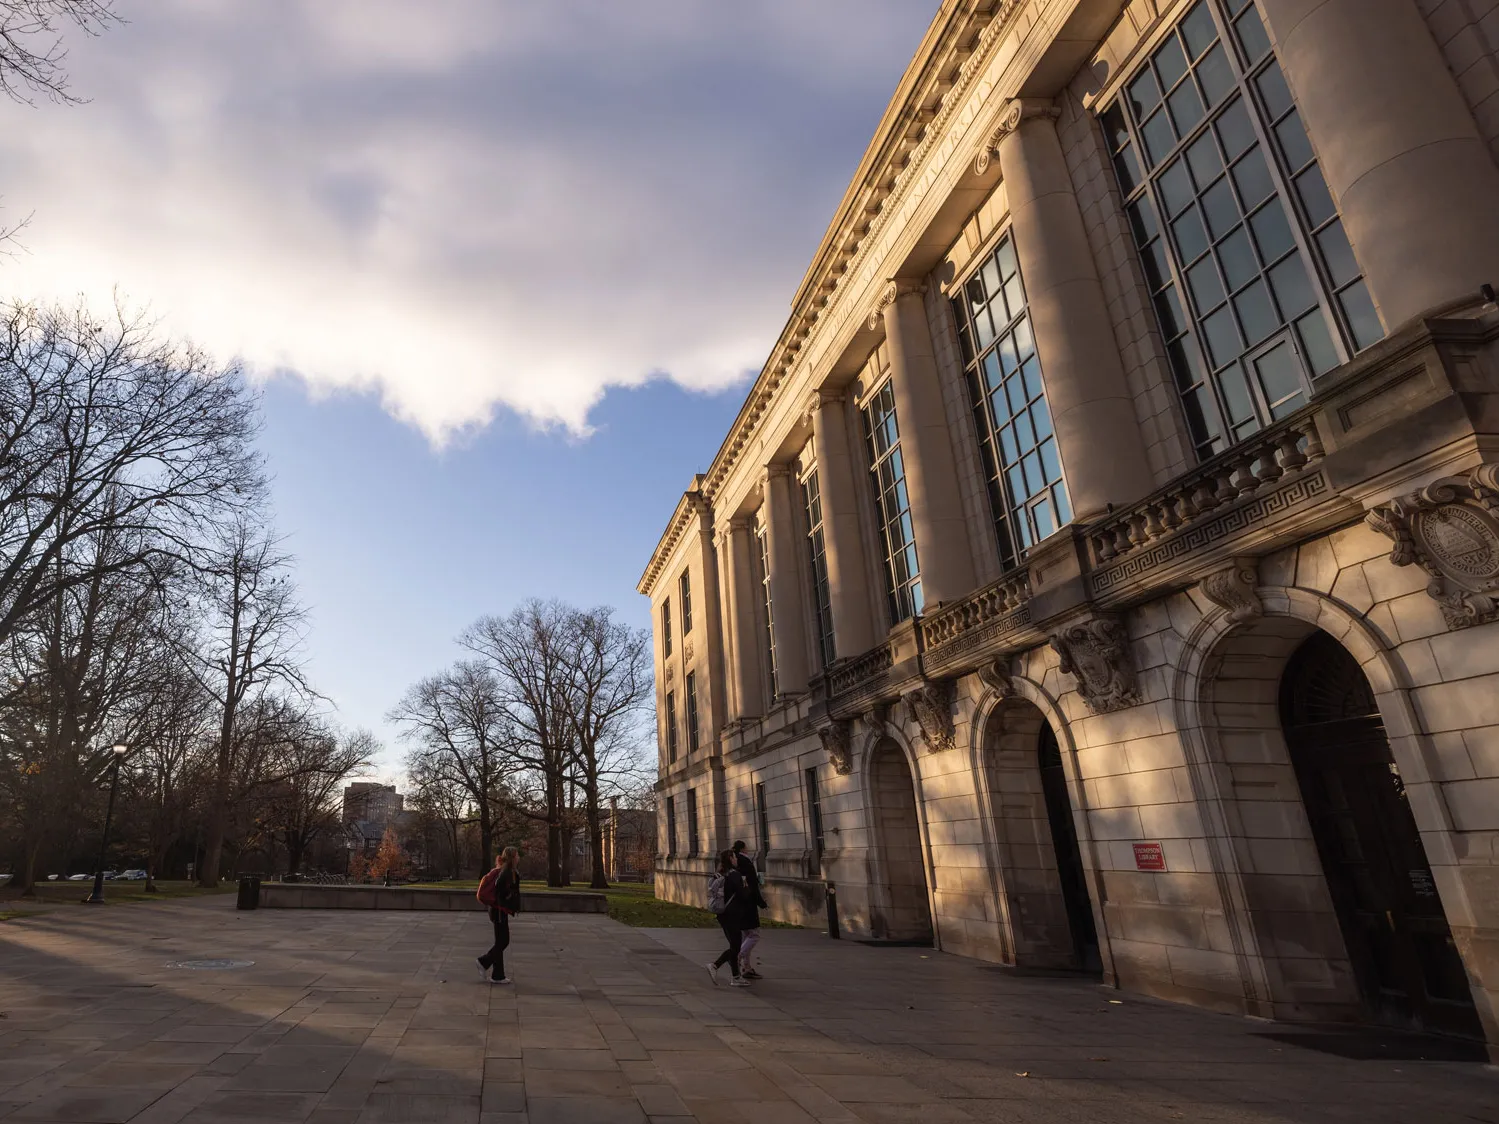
x: 500, y: 891
x: 728, y: 898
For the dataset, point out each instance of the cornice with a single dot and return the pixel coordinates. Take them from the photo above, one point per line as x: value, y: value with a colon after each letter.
x: 693, y: 502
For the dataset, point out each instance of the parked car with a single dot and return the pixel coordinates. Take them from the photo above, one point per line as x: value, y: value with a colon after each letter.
x: 79, y: 877
x: 133, y: 876
x: 52, y: 878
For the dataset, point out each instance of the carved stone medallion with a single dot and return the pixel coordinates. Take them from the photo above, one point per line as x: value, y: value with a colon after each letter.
x: 1096, y: 653
x: 835, y: 739
x: 1236, y: 588
x: 1450, y: 529
x: 996, y: 676
x: 930, y: 706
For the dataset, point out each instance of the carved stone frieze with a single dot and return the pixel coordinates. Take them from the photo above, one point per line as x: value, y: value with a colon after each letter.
x: 1450, y: 529
x: 1096, y: 653
x: 1236, y: 588
x: 995, y: 674
x: 686, y: 651
x: 930, y: 707
x: 835, y: 741
x: 671, y: 673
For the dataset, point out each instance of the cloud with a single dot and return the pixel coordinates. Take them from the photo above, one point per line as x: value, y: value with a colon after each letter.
x: 458, y: 205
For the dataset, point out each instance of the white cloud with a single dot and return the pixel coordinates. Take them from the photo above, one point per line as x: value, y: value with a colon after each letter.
x: 456, y: 204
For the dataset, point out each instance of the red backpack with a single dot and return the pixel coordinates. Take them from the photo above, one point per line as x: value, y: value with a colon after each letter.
x: 486, y: 892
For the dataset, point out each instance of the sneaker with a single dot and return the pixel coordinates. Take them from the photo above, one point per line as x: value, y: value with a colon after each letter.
x: 749, y: 973
x: 483, y: 971
x: 740, y: 981
x: 712, y: 973
x: 501, y: 980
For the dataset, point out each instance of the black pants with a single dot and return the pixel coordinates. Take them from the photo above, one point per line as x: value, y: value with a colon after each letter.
x: 730, y: 955
x: 494, y: 959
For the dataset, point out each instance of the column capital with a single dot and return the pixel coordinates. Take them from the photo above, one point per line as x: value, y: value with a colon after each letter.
x: 817, y: 401
x: 776, y: 470
x: 896, y: 288
x: 1018, y: 111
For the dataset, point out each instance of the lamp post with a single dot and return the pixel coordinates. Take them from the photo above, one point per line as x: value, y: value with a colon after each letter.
x: 117, y: 753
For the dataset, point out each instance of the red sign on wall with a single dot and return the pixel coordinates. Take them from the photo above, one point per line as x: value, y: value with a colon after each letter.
x: 1149, y: 856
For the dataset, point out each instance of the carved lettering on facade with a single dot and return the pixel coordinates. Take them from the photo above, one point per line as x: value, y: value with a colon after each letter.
x: 1096, y: 653
x: 1236, y: 588
x: 996, y: 676
x: 835, y: 741
x: 930, y: 707
x: 1450, y: 529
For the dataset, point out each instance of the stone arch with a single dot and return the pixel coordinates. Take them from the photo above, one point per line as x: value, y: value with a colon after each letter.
x: 1035, y: 928
x: 1281, y: 919
x: 901, y: 905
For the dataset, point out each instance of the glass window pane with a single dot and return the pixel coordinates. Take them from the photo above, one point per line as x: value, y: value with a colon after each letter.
x: 1050, y: 462
x: 1176, y: 188
x: 1014, y: 295
x: 982, y: 327
x: 1186, y: 364
x: 1033, y: 474
x: 1220, y: 207
x: 1015, y: 475
x: 1256, y: 313
x: 1236, y: 398
x: 1025, y: 345
x: 1251, y: 33
x: 1064, y: 506
x: 1114, y: 128
x: 1252, y: 178
x: 1005, y: 255
x: 1186, y: 107
x: 1024, y: 435
x: 1312, y: 190
x: 1272, y: 234
x: 964, y: 337
x: 1222, y: 334
x: 1144, y: 94
x: 1153, y: 258
x: 1015, y: 394
x: 1008, y: 360
x: 1203, y: 158
x: 1198, y: 31
x: 1008, y: 446
x: 1206, y: 289
x: 1234, y: 129
x: 1293, y: 143
x: 1142, y: 220
x: 1280, y: 378
x: 1337, y: 254
x: 990, y: 274
x: 992, y: 376
x: 1237, y: 259
x: 1362, y: 318
x: 1170, y: 62
x: 1158, y: 136
x: 1215, y: 76
x: 1045, y: 521
x: 1274, y: 91
x: 1316, y: 342
x: 1191, y: 238
x: 1041, y: 419
x: 1030, y: 371
x: 1202, y: 415
x: 1293, y: 290
x: 1169, y: 309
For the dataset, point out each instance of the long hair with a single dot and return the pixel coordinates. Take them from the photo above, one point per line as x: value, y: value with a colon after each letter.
x: 509, y: 858
x: 726, y: 861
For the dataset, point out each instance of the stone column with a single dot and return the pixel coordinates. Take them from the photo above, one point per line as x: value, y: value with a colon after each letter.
x: 744, y: 647
x: 788, y: 606
x: 1093, y: 413
x: 942, y: 546
x: 1402, y: 156
x: 842, y: 542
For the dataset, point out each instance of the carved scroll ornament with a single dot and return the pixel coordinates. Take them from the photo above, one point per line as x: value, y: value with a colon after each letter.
x: 1096, y: 653
x: 1021, y: 109
x: 835, y: 741
x: 1236, y: 588
x: 1450, y: 529
x: 930, y: 706
x: 996, y: 676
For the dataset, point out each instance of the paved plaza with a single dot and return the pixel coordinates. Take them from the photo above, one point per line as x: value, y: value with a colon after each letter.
x: 380, y: 1018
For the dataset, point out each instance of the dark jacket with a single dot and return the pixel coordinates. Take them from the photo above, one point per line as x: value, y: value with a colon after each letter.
x: 739, y: 909
x: 752, y: 886
x: 507, y: 891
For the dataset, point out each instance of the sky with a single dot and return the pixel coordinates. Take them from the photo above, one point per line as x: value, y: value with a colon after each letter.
x: 502, y: 270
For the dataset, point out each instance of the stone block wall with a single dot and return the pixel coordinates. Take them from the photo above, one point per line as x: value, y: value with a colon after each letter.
x: 1467, y: 32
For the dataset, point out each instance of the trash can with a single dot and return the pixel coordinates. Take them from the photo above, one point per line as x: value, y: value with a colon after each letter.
x: 249, y: 893
x: 832, y: 895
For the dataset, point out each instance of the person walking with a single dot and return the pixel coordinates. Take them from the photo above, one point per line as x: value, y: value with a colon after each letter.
x: 500, y: 891
x: 727, y: 898
x: 756, y: 902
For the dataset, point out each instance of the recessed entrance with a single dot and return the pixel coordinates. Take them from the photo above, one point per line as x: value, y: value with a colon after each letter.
x: 1069, y: 856
x: 906, y: 914
x: 1402, y: 952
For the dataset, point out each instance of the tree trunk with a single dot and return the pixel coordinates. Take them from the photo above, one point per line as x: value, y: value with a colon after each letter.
x: 27, y: 882
x: 486, y: 838
x: 213, y: 847
x: 600, y: 876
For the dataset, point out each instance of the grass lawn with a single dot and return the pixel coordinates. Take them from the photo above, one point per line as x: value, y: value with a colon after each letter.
x: 13, y: 905
x: 630, y: 903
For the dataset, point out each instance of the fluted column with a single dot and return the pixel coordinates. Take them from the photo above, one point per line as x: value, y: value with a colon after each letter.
x: 1414, y: 182
x: 749, y: 701
x: 788, y: 607
x: 842, y: 542
x: 942, y: 546
x: 1093, y: 413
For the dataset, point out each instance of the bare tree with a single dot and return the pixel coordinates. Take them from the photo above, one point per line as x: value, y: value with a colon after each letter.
x: 610, y: 679
x: 440, y: 805
x: 461, y: 739
x: 249, y: 644
x: 313, y: 761
x: 104, y: 428
x: 31, y: 50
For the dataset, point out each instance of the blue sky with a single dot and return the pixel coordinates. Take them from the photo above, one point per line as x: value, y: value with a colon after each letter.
x: 502, y: 268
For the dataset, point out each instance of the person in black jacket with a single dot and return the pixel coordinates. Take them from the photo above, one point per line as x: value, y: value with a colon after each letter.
x: 735, y: 903
x: 500, y: 890
x: 756, y: 901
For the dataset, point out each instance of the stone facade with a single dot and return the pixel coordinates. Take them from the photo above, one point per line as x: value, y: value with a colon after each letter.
x: 1229, y: 735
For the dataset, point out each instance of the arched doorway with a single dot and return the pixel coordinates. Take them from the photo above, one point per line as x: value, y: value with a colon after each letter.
x: 1399, y: 944
x: 1042, y: 881
x: 906, y: 914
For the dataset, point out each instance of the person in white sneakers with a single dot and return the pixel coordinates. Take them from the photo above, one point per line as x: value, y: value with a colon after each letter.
x: 751, y: 919
x: 500, y: 891
x: 728, y: 898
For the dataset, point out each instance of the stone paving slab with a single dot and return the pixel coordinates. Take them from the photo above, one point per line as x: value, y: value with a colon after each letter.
x: 378, y: 1017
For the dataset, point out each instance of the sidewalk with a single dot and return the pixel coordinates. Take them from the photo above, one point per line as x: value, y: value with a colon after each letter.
x: 378, y: 1018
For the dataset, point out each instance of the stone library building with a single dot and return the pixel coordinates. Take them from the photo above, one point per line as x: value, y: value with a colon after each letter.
x: 1102, y: 572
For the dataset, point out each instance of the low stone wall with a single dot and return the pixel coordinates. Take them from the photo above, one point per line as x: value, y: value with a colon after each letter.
x: 301, y: 895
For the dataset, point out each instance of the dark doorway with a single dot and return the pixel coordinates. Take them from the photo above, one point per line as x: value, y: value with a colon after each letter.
x: 1069, y: 855
x: 906, y: 916
x: 1403, y: 955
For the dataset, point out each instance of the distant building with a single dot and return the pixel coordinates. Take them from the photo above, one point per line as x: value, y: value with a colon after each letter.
x: 365, y: 801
